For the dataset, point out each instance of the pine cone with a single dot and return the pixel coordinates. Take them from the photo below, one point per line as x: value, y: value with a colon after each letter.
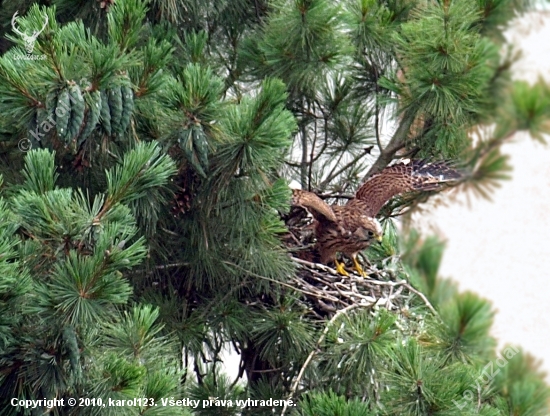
x: 185, y: 194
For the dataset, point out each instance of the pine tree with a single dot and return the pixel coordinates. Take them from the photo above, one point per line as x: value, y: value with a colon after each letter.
x: 147, y: 148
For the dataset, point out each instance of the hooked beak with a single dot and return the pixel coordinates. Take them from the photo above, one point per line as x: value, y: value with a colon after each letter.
x: 380, y: 238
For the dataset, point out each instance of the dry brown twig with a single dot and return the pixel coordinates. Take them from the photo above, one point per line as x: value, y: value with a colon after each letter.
x: 327, y: 284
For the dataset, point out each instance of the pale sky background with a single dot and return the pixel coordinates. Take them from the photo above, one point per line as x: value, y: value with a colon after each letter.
x: 501, y: 249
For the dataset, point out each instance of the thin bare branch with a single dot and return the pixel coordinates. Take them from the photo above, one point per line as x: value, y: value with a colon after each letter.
x: 312, y: 353
x: 421, y: 296
x: 348, y: 165
x: 396, y: 143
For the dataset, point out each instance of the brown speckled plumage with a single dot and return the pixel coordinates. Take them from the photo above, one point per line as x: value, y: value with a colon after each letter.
x: 351, y: 228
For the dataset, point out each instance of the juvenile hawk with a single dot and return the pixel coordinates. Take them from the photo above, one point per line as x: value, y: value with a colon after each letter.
x: 351, y: 228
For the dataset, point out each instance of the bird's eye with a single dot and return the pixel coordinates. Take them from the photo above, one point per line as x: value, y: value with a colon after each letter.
x: 371, y: 233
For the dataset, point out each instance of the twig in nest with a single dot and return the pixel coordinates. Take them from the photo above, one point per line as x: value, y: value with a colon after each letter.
x: 269, y: 279
x: 317, y: 266
x: 421, y: 295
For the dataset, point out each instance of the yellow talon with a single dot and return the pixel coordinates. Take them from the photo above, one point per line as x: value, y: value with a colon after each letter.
x: 359, y: 268
x: 340, y: 268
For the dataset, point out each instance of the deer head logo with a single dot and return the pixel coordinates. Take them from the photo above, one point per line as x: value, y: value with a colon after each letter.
x: 28, y: 39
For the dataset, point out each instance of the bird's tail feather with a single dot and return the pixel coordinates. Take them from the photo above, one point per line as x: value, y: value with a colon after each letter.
x: 431, y: 175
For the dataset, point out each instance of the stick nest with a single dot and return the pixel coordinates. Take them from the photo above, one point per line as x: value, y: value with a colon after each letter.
x: 326, y: 292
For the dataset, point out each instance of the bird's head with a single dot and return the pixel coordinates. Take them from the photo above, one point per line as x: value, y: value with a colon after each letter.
x: 369, y: 229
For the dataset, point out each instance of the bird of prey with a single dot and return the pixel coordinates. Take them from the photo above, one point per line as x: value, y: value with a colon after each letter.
x: 351, y: 228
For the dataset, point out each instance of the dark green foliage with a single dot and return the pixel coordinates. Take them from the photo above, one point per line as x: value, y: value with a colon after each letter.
x: 494, y: 167
x: 354, y: 351
x: 77, y: 250
x: 423, y: 258
x: 283, y: 330
x: 329, y: 404
x: 216, y: 387
x: 467, y: 320
x: 300, y: 42
x: 532, y: 108
x: 520, y: 384
x: 445, y: 72
x: 421, y: 383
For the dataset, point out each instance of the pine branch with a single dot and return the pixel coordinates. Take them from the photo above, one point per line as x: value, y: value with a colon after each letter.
x: 311, y: 159
x: 351, y: 163
x: 396, y: 143
x: 422, y: 296
x: 269, y: 279
x: 303, y: 163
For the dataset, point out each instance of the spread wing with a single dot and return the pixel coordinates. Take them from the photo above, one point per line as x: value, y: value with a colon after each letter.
x: 406, y: 176
x: 320, y: 210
